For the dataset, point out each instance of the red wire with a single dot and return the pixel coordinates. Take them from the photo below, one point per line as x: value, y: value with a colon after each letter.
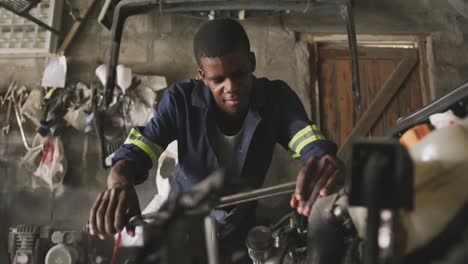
x: 116, y: 248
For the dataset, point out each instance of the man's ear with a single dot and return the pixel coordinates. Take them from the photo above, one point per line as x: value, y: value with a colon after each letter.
x: 202, y: 76
x: 253, y: 61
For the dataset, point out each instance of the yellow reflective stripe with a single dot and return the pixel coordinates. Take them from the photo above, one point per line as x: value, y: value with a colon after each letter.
x: 156, y: 147
x: 294, y: 154
x: 151, y: 149
x: 301, y: 133
x: 143, y: 147
x: 303, y: 137
x: 307, y: 141
x: 135, y: 135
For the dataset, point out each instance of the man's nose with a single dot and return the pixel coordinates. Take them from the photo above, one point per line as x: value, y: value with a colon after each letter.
x: 230, y: 86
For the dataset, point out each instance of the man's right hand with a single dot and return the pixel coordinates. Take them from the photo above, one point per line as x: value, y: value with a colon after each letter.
x: 114, y: 207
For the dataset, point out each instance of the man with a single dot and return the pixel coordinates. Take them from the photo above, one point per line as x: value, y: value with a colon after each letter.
x: 228, y: 119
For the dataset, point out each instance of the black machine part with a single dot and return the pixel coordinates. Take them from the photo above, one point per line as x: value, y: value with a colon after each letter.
x: 368, y: 156
x: 259, y: 243
x: 181, y: 223
x: 184, y: 238
x: 331, y: 235
x: 380, y: 177
x: 283, y: 242
x: 200, y: 199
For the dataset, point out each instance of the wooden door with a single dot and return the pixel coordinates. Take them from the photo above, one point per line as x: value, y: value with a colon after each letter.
x: 390, y: 88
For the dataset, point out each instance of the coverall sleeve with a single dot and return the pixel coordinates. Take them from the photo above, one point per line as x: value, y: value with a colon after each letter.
x: 300, y: 136
x: 145, y: 144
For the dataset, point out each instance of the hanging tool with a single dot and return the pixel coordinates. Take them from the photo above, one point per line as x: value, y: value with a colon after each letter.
x: 6, y: 128
x: 20, y: 124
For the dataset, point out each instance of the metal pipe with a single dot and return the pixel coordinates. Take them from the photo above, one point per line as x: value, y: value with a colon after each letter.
x: 212, y: 243
x: 234, y: 199
x: 374, y: 177
x: 225, y: 201
x: 347, y: 15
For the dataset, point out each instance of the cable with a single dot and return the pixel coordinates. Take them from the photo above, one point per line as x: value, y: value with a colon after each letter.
x: 116, y: 248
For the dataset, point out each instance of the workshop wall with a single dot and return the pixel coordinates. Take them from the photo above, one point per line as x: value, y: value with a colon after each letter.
x: 163, y: 46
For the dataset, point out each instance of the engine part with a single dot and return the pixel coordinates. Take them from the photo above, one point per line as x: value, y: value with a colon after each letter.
x: 68, y: 248
x: 330, y: 233
x: 65, y: 237
x: 63, y: 254
x: 381, y: 177
x: 283, y: 242
x: 397, y: 178
x: 439, y: 182
x: 259, y: 244
x: 211, y: 236
x: 163, y: 243
x: 182, y: 225
x: 28, y: 244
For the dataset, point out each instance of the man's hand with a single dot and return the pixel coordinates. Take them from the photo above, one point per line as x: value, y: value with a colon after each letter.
x: 114, y: 207
x: 318, y: 176
x: 112, y: 210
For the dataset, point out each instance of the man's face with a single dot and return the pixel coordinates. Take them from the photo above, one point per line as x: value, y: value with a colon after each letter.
x: 230, y: 79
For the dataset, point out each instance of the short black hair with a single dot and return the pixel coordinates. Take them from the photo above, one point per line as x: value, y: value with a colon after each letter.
x: 219, y: 37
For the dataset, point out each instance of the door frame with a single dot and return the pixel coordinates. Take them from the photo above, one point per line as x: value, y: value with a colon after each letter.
x: 316, y: 40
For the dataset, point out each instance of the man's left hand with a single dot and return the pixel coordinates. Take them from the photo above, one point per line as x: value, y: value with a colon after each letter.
x: 318, y: 176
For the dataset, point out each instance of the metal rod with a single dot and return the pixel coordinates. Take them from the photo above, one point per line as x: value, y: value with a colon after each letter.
x: 347, y: 14
x: 212, y: 243
x: 234, y: 199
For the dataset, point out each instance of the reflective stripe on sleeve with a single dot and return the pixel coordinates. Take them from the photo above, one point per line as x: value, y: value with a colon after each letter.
x: 151, y: 149
x: 304, y: 137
